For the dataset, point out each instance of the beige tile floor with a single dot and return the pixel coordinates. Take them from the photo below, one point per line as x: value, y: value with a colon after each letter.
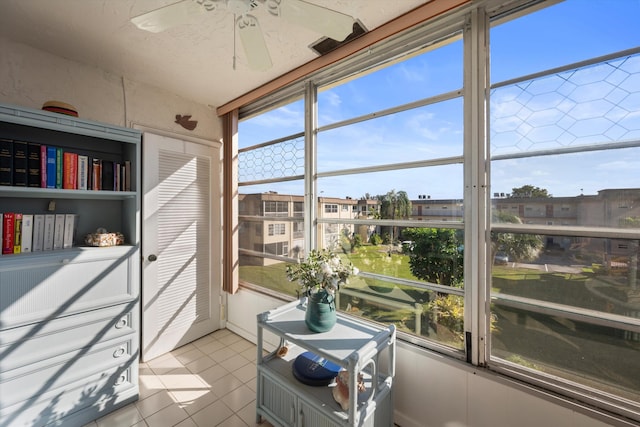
x: 208, y: 383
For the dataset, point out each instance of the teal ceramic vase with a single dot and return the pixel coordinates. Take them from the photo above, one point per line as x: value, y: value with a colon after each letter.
x: 321, y: 312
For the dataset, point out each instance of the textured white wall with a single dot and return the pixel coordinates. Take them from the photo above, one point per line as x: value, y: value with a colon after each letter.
x: 30, y: 77
x: 431, y: 390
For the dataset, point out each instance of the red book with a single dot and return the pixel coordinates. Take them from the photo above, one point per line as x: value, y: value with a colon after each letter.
x: 69, y: 171
x: 7, y: 233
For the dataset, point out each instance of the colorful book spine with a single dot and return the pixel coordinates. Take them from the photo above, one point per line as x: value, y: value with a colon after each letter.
x: 96, y: 174
x: 69, y: 171
x: 17, y: 233
x: 7, y: 233
x: 51, y: 167
x: 6, y: 161
x: 43, y: 166
x: 38, y: 233
x: 20, y: 163
x: 27, y: 233
x: 34, y: 178
x: 58, y: 167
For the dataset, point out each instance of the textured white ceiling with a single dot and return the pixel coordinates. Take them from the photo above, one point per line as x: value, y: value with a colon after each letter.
x: 194, y: 60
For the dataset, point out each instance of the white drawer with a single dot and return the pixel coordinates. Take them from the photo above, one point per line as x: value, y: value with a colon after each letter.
x: 46, y: 286
x: 76, y: 403
x: 32, y: 343
x: 28, y: 382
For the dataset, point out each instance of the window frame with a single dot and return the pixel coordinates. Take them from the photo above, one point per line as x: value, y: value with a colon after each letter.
x: 476, y: 25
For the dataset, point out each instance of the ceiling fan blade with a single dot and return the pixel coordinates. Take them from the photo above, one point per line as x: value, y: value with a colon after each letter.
x: 324, y: 21
x: 167, y: 17
x: 253, y: 43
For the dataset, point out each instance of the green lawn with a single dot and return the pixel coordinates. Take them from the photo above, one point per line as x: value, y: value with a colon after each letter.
x: 372, y: 259
x: 377, y: 259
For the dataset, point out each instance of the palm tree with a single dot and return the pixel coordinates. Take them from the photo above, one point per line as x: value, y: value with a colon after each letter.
x: 395, y: 205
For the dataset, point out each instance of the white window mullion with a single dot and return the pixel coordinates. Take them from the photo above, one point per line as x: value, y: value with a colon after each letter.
x: 310, y: 166
x: 476, y: 216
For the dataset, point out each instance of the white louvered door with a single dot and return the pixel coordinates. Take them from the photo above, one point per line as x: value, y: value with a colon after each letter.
x: 180, y: 240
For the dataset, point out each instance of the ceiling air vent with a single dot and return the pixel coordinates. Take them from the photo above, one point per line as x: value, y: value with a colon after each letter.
x: 327, y: 44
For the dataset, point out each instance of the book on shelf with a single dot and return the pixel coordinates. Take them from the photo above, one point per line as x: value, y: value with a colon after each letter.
x: 83, y: 171
x: 70, y: 225
x: 43, y: 166
x: 49, y: 222
x: 27, y: 233
x: 89, y: 173
x: 117, y: 175
x: 38, y: 233
x: 58, y: 167
x: 58, y: 231
x: 96, y: 174
x: 33, y: 161
x: 17, y: 233
x: 107, y: 175
x: 127, y: 175
x: 7, y: 233
x: 6, y: 161
x: 20, y: 163
x: 69, y: 170
x: 51, y: 167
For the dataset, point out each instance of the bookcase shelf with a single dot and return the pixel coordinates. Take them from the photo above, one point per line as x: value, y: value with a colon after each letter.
x: 53, y: 193
x: 78, y: 306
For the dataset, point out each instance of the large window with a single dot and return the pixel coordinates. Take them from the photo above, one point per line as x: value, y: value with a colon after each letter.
x: 565, y: 152
x: 503, y: 211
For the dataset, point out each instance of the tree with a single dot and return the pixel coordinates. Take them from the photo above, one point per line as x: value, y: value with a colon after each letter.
x: 517, y: 246
x: 437, y: 255
x: 529, y: 191
x: 394, y: 205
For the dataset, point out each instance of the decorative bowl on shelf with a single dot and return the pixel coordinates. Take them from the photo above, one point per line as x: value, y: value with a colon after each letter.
x: 103, y: 239
x: 60, y: 108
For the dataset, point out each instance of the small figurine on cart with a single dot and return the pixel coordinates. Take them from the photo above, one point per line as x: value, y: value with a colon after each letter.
x: 341, y: 390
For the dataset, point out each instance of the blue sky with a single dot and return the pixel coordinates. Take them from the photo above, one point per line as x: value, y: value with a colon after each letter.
x: 586, y: 113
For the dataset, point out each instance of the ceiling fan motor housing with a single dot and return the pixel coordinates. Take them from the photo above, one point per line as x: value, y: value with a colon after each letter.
x: 240, y: 7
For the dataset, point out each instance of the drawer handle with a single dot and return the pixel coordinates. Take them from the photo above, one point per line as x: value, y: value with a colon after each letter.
x: 121, y: 323
x: 121, y: 379
x: 119, y: 352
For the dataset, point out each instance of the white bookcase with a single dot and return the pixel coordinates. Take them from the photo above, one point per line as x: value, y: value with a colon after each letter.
x: 69, y: 318
x: 354, y: 345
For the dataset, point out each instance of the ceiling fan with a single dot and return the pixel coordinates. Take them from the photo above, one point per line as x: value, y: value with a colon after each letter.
x: 322, y: 20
